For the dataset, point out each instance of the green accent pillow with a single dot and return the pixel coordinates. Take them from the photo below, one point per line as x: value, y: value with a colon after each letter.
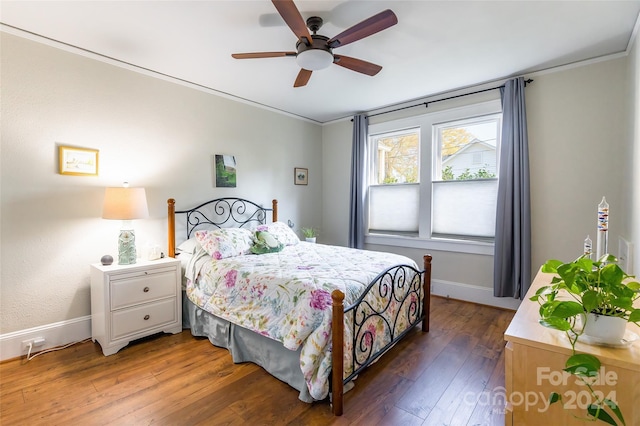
x: 266, y: 243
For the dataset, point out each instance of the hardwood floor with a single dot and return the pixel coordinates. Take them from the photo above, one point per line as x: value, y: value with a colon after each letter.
x: 453, y: 375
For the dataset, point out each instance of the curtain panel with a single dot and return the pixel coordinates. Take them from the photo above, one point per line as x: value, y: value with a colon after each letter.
x: 512, y: 257
x: 358, y: 182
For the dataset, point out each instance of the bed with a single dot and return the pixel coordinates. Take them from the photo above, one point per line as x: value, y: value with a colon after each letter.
x: 312, y: 315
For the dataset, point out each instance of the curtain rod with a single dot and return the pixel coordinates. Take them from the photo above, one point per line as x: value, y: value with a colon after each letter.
x: 426, y: 104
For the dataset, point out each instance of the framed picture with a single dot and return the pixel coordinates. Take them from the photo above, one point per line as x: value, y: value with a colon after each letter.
x: 300, y: 176
x: 225, y: 166
x: 78, y: 161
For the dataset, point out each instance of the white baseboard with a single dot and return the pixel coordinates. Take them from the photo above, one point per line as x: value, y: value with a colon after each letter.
x: 56, y: 334
x: 472, y: 293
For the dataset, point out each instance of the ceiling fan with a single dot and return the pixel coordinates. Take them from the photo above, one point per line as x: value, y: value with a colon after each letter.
x: 314, y: 51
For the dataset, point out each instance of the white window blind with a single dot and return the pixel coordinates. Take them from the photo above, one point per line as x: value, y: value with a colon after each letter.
x: 465, y: 208
x: 394, y: 207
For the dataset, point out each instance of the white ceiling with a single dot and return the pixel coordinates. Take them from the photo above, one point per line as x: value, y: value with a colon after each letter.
x: 437, y: 46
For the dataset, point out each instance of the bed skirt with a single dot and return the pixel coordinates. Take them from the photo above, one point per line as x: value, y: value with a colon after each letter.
x: 247, y: 346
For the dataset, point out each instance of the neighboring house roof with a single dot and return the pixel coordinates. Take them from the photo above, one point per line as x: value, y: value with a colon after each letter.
x: 473, y: 143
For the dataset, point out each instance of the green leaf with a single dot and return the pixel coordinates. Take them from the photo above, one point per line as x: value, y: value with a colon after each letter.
x: 556, y: 323
x: 635, y: 316
x: 551, y: 266
x: 608, y: 258
x: 598, y: 412
x: 624, y: 303
x: 567, y: 272
x: 584, y: 263
x: 590, y: 300
x: 583, y: 365
x: 621, y: 290
x: 566, y: 309
x: 583, y: 359
x: 547, y: 308
x: 611, y: 274
x: 556, y: 280
x: 542, y: 289
x: 554, y: 397
x: 616, y: 410
x: 538, y: 294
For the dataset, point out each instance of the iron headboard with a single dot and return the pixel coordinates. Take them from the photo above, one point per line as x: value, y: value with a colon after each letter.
x: 225, y: 213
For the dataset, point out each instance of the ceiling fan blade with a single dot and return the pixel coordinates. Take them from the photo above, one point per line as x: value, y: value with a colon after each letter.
x: 376, y: 23
x: 357, y: 65
x: 303, y: 78
x: 262, y: 55
x: 291, y: 15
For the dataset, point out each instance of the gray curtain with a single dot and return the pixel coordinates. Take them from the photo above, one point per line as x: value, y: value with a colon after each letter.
x: 358, y: 181
x: 512, y: 258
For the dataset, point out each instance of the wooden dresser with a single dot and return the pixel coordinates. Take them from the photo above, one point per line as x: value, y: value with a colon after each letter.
x: 534, y: 360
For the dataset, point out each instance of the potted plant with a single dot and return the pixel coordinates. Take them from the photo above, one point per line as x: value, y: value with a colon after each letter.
x: 588, y: 292
x: 310, y: 234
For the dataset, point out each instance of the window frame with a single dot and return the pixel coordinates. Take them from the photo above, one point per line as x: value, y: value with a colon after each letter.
x: 425, y: 123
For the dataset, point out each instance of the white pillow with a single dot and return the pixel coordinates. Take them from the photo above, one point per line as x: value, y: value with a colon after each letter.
x: 188, y: 246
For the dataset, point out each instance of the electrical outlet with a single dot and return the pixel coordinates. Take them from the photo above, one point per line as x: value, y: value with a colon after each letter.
x: 36, y: 342
x: 625, y: 253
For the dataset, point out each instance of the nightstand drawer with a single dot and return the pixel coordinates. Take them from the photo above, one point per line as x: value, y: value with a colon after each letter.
x: 140, y: 318
x: 141, y: 288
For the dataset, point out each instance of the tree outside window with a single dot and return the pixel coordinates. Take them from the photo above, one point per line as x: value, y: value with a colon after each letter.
x: 398, y: 158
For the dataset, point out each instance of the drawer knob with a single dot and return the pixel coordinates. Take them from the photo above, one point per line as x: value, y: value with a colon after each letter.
x: 146, y: 289
x: 146, y: 317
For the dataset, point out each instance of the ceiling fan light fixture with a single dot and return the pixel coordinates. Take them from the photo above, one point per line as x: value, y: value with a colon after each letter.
x: 315, y: 51
x: 314, y: 59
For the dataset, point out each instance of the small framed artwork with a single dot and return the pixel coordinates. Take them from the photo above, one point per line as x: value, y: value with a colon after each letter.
x: 300, y: 176
x: 225, y: 166
x: 78, y: 161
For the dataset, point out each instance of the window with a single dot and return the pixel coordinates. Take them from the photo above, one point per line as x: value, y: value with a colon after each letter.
x: 396, y: 175
x: 433, y: 178
x: 465, y: 189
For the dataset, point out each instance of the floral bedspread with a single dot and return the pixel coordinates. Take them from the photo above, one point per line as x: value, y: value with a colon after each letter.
x: 287, y: 296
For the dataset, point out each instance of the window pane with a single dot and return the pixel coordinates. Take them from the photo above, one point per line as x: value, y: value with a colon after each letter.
x: 397, y: 158
x: 393, y: 208
x: 467, y: 149
x: 465, y: 208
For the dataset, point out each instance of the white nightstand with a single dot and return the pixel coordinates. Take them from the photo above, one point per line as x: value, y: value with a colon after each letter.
x: 133, y: 301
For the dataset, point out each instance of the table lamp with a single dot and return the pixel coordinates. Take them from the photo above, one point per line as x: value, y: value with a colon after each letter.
x: 125, y: 204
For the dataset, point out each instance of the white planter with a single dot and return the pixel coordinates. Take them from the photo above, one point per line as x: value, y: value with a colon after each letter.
x: 310, y: 239
x: 604, y: 328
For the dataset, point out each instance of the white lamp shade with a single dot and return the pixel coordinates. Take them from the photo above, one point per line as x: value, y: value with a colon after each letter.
x: 125, y: 204
x: 314, y: 59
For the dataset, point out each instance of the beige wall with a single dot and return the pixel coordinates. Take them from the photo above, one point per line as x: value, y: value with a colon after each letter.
x: 578, y: 147
x: 336, y: 169
x: 633, y: 160
x: 578, y: 144
x: 592, y: 111
x: 153, y: 133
